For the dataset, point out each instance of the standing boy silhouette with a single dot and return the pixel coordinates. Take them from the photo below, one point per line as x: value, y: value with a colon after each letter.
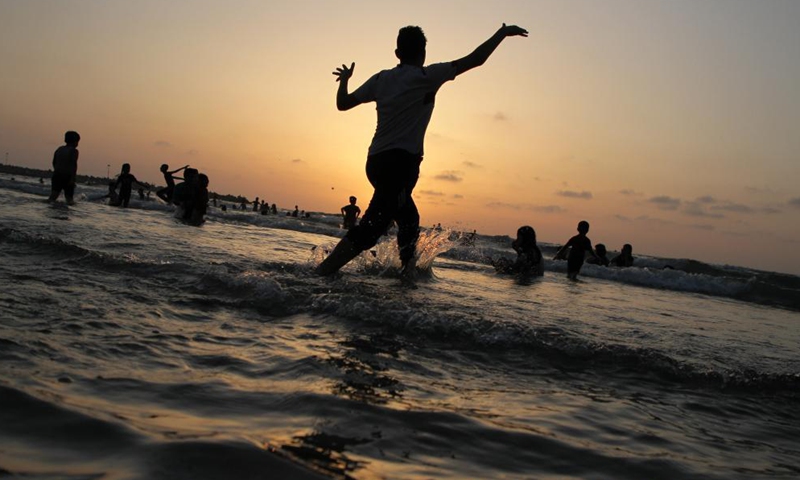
x: 65, y: 168
x: 350, y: 213
x: 405, y: 98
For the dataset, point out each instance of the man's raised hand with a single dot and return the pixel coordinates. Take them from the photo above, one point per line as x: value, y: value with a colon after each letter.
x: 345, y: 73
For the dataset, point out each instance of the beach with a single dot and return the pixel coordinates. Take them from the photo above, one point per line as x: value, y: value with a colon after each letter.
x: 134, y: 346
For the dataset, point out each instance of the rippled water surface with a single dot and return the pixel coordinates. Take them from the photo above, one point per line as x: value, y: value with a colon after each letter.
x: 135, y: 347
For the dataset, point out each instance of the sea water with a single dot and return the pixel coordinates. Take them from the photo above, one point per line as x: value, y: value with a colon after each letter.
x: 133, y: 346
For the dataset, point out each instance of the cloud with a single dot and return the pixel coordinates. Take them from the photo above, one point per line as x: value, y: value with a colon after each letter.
x: 570, y: 194
x: 703, y: 227
x: 430, y: 193
x: 695, y: 209
x: 734, y: 207
x: 500, y: 117
x: 706, y: 199
x: 162, y: 144
x: 630, y: 192
x: 469, y: 164
x: 192, y: 152
x: 659, y: 221
x: 449, y: 176
x: 622, y: 217
x: 527, y: 206
x: 757, y: 190
x: 770, y: 210
x: 666, y: 203
x: 457, y: 195
x: 795, y: 202
x: 297, y: 160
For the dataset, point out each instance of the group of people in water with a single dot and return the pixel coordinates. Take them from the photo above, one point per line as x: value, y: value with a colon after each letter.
x: 576, y: 251
x: 190, y: 196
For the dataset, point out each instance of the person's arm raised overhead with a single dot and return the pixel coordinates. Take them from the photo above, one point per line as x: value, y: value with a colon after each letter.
x: 479, y: 56
x: 344, y: 100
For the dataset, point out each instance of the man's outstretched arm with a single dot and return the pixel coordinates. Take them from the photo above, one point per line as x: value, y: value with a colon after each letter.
x: 344, y: 99
x: 479, y: 56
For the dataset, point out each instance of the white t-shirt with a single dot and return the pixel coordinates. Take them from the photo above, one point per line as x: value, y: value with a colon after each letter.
x: 405, y: 96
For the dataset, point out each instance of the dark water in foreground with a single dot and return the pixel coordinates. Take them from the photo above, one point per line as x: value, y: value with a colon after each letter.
x: 135, y: 347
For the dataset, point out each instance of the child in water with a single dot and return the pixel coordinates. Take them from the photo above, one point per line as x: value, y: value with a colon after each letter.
x: 199, y: 203
x: 625, y: 257
x: 578, y: 246
x: 529, y: 258
x: 601, y: 258
x: 125, y: 183
x: 169, y: 178
x: 65, y: 168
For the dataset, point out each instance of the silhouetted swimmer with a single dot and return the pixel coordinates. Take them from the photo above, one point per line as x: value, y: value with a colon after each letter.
x: 215, y: 198
x: 296, y: 211
x: 405, y: 97
x: 274, y: 209
x: 65, y: 168
x: 256, y: 204
x: 600, y: 258
x: 264, y: 208
x: 125, y: 182
x: 578, y: 246
x: 167, y: 192
x: 625, y: 257
x: 141, y: 193
x: 350, y: 214
x: 529, y: 258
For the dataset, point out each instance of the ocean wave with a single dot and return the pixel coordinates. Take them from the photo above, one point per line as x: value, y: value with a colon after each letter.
x: 549, y: 343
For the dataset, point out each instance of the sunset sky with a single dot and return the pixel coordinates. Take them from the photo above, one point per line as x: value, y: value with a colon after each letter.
x: 670, y: 125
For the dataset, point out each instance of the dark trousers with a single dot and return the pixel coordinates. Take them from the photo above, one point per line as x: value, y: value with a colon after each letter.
x: 394, y: 174
x: 62, y: 181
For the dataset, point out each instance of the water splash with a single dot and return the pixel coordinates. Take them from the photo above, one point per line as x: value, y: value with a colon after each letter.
x: 384, y: 258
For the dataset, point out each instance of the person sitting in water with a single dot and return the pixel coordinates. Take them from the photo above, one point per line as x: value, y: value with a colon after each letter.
x: 577, y: 247
x: 350, y: 214
x: 125, y: 182
x: 529, y: 258
x: 296, y: 211
x: 274, y: 209
x: 625, y: 258
x: 601, y: 258
x: 264, y: 208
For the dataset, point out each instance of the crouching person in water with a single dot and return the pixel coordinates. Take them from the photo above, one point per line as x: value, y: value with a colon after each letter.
x: 529, y: 258
x: 405, y: 97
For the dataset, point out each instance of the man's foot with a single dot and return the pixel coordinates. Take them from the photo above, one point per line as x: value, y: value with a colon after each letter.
x: 343, y: 253
x: 409, y: 269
